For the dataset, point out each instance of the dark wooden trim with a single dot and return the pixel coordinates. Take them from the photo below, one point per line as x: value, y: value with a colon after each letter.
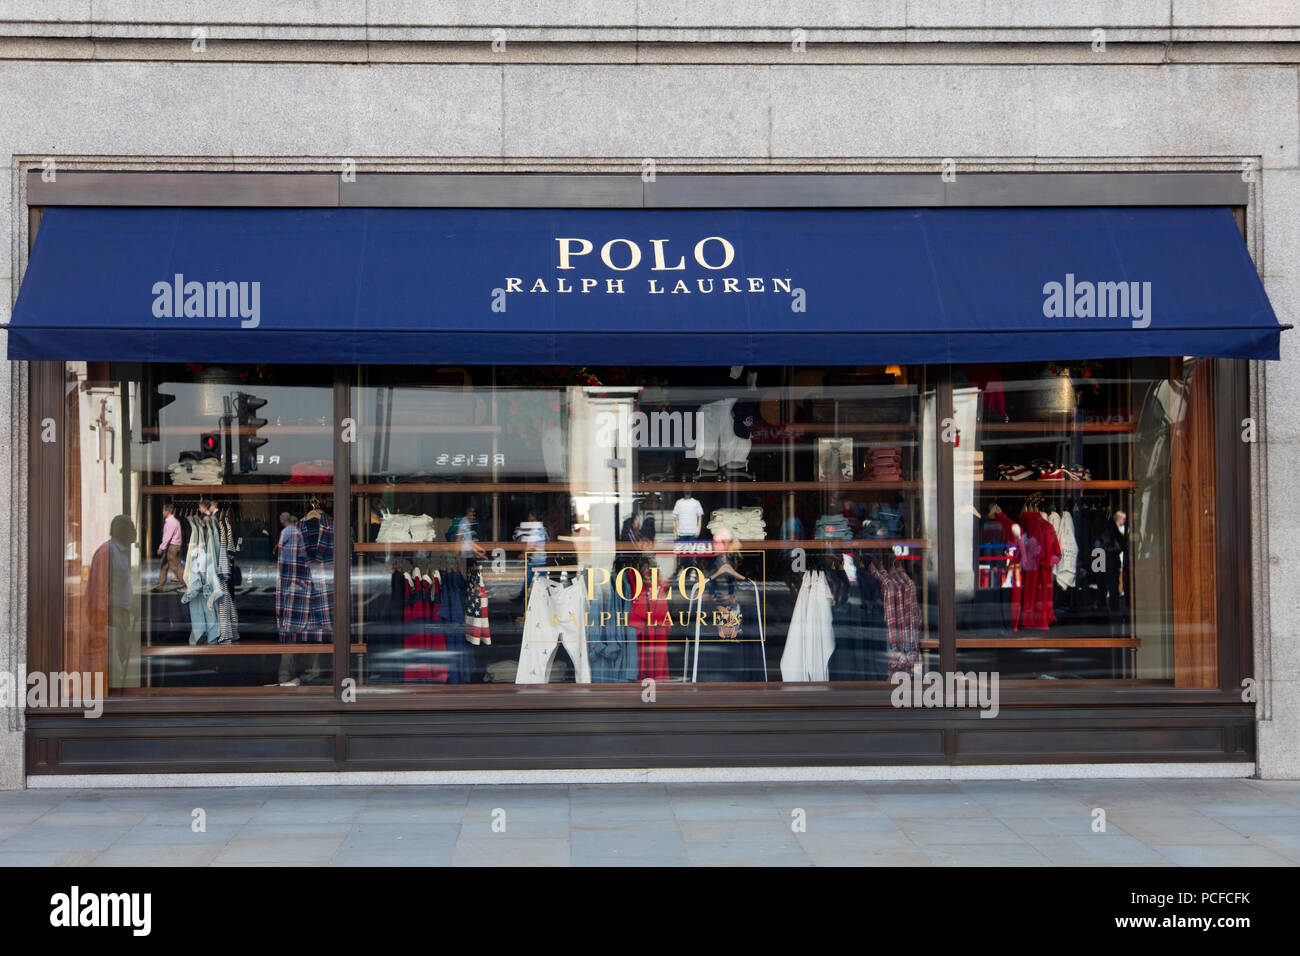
x: 1232, y: 505
x: 632, y: 738
x: 342, y: 514
x: 802, y: 697
x: 944, y: 476
x: 45, y: 484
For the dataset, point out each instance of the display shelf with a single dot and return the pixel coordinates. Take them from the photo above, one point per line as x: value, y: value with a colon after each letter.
x: 605, y: 547
x: 1059, y: 426
x: 243, y: 648
x: 700, y: 486
x: 932, y: 643
x: 279, y: 488
x: 1038, y: 485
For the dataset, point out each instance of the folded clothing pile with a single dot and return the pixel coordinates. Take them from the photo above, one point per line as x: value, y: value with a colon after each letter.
x: 190, y: 472
x: 319, y: 471
x: 745, y: 524
x: 833, y: 527
x: 420, y: 528
x: 884, y: 463
x: 1040, y: 469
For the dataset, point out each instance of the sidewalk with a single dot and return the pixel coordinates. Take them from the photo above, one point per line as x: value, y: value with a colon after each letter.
x: 999, y: 823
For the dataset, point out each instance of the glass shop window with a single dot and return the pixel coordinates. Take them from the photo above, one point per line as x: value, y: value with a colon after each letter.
x: 199, y: 533
x: 1068, y: 538
x: 520, y: 526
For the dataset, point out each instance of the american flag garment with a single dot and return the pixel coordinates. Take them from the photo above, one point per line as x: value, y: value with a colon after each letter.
x: 476, y: 607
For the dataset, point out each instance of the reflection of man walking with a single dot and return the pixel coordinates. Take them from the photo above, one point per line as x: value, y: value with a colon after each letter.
x: 170, y: 548
x: 114, y: 643
x: 1115, y: 577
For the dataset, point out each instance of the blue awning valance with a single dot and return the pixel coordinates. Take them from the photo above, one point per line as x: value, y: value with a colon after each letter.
x: 644, y: 287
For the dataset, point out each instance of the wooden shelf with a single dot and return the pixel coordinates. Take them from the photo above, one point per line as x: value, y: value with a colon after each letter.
x: 607, y: 547
x: 279, y: 488
x: 242, y: 649
x: 1037, y: 485
x: 932, y: 643
x: 701, y: 486
x: 1058, y: 426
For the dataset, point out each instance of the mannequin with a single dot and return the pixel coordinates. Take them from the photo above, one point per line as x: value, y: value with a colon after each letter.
x: 688, y: 515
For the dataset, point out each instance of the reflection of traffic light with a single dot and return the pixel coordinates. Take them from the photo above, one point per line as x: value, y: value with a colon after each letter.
x: 249, y: 441
x: 152, y: 402
x: 210, y: 443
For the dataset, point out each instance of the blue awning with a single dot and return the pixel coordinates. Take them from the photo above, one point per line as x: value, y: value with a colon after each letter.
x: 645, y: 287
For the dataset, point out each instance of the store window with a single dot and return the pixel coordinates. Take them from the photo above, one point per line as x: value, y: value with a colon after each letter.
x: 198, y: 547
x: 606, y: 526
x: 558, y: 525
x: 1062, y: 509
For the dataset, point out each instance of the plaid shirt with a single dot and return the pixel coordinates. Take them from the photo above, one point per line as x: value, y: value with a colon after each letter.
x: 293, y: 589
x: 318, y: 545
x: 902, y: 618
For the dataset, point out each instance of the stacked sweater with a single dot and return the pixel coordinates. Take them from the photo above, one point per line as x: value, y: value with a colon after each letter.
x: 745, y: 524
x: 884, y: 463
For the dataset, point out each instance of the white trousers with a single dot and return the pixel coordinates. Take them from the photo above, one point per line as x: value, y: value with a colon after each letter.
x: 556, y: 615
x: 811, y: 638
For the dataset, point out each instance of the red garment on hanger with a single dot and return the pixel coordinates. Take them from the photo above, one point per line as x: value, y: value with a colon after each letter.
x: 648, y: 616
x: 1042, y: 552
x: 419, y: 612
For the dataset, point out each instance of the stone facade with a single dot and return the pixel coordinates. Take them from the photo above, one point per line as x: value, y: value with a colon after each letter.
x: 705, y: 85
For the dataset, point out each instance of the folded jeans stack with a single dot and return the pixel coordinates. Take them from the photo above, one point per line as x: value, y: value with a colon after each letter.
x: 205, y: 472
x: 745, y: 524
x: 833, y: 527
x: 884, y: 463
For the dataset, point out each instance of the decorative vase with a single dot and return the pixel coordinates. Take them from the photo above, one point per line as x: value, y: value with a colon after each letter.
x: 1054, y: 396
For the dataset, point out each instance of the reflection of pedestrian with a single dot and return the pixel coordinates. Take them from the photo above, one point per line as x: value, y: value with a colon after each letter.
x: 1115, y: 578
x: 170, y: 548
x: 114, y: 644
x: 532, y: 534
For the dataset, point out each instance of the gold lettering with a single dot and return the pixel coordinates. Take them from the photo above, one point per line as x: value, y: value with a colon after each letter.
x: 589, y: 284
x: 730, y: 285
x: 514, y: 285
x: 654, y: 287
x: 561, y: 286
x: 780, y: 285
x: 755, y: 285
x: 681, y: 287
x: 636, y: 578
x: 611, y: 283
x: 591, y: 581
x: 538, y: 286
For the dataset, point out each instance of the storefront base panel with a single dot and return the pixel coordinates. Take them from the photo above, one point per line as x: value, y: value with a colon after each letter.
x: 514, y: 741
